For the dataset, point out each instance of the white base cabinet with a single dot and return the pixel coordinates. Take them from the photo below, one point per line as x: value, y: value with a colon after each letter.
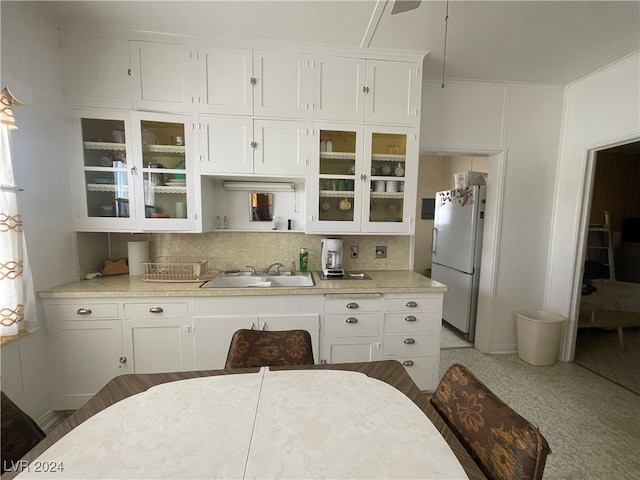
x: 158, y: 336
x: 94, y: 340
x: 403, y: 327
x: 87, y: 347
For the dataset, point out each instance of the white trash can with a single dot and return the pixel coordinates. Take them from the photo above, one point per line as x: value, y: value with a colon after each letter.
x: 539, y: 334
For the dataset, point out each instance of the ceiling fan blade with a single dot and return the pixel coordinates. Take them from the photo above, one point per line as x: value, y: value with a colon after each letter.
x: 400, y: 6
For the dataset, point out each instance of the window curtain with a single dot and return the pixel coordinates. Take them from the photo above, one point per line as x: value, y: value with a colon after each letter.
x: 12, y: 266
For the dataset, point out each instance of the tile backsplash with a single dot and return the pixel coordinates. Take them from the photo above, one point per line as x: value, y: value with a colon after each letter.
x: 236, y: 249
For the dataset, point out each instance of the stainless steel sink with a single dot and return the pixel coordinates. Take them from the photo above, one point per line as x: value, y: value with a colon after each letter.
x: 261, y: 281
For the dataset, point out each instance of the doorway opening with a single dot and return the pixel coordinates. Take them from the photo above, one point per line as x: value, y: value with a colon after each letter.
x: 436, y: 173
x: 607, y: 336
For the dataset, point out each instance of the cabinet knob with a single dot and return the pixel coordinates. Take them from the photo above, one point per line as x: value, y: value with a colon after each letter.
x: 351, y: 320
x: 84, y: 311
x: 408, y: 363
x: 323, y: 362
x: 365, y: 89
x: 123, y: 361
x: 254, y: 144
x: 253, y: 80
x: 410, y: 318
x: 412, y: 304
x: 352, y: 305
x: 156, y: 310
x: 409, y: 341
x: 264, y: 326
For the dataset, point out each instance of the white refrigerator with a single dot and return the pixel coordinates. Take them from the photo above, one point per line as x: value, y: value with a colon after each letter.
x: 456, y: 250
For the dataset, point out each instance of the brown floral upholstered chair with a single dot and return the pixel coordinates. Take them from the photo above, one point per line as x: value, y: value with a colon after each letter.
x: 259, y: 348
x: 503, y: 444
x: 20, y: 433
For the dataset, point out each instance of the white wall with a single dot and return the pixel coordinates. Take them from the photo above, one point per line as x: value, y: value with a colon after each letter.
x: 600, y: 110
x: 520, y: 126
x: 31, y: 62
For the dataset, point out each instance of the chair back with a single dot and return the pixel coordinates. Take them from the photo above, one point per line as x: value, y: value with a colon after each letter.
x: 20, y: 433
x: 503, y: 444
x: 261, y: 348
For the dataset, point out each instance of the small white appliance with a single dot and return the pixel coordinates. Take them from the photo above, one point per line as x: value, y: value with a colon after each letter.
x: 332, y: 252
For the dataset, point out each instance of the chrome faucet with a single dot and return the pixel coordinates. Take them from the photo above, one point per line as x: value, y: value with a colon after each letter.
x: 253, y: 270
x: 277, y: 265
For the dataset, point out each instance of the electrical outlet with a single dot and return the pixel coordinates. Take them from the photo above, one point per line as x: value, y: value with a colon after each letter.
x: 354, y: 251
x: 381, y: 252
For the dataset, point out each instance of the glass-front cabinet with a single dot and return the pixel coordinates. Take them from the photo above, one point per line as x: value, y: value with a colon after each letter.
x: 363, y: 179
x: 135, y: 172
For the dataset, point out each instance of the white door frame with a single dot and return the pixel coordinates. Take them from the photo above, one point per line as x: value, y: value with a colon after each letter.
x: 569, y: 344
x: 491, y: 238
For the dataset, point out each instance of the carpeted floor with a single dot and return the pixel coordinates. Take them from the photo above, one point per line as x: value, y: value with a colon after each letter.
x: 591, y: 423
x: 599, y: 351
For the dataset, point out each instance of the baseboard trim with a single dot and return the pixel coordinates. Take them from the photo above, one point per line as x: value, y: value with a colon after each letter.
x: 49, y: 419
x: 503, y: 349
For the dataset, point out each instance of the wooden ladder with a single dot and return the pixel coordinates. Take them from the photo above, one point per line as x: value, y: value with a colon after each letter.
x: 600, y: 246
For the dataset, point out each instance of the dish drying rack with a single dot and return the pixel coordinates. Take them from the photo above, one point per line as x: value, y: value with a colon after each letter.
x: 178, y: 269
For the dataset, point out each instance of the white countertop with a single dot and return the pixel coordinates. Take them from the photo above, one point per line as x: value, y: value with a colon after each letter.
x: 282, y: 424
x: 382, y: 281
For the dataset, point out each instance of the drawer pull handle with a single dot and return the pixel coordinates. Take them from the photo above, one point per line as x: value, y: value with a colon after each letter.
x: 156, y: 310
x: 352, y: 305
x: 410, y: 318
x: 351, y: 320
x: 409, y: 341
x: 84, y: 311
x: 408, y: 363
x: 412, y: 304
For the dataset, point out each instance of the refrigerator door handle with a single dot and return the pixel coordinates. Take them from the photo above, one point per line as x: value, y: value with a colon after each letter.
x: 434, y: 239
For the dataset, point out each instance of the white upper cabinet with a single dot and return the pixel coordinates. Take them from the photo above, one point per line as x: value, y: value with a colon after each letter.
x: 373, y: 91
x: 96, y: 72
x: 337, y: 91
x: 225, y: 81
x: 163, y: 77
x: 238, y: 145
x: 393, y: 92
x: 133, y: 171
x: 280, y: 88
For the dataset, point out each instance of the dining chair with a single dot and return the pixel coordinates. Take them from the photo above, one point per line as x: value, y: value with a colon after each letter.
x: 20, y: 433
x: 502, y: 443
x: 260, y: 348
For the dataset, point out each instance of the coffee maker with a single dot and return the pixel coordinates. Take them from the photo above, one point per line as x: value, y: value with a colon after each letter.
x: 332, y: 251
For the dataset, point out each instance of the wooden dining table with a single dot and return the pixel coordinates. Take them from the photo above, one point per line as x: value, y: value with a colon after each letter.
x: 389, y: 371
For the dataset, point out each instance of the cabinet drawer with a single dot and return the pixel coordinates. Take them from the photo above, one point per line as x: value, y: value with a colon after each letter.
x: 352, y: 305
x: 420, y: 369
x: 415, y: 304
x: 155, y: 310
x: 81, y: 311
x: 411, y: 344
x: 413, y: 322
x: 355, y: 325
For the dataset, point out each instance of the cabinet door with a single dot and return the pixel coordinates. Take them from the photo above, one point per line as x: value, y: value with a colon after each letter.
x: 334, y: 185
x: 337, y: 86
x: 159, y: 345
x: 394, y: 90
x: 280, y: 85
x: 391, y: 156
x: 350, y: 349
x: 87, y: 355
x: 165, y: 179
x: 96, y: 72
x: 212, y: 337
x: 224, y: 77
x: 226, y: 145
x: 280, y: 148
x: 310, y: 323
x: 101, y: 172
x: 163, y: 77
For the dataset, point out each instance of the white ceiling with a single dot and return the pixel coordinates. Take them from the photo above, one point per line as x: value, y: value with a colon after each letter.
x: 551, y: 42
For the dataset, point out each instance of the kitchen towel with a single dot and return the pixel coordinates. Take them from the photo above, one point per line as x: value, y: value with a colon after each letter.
x: 138, y: 253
